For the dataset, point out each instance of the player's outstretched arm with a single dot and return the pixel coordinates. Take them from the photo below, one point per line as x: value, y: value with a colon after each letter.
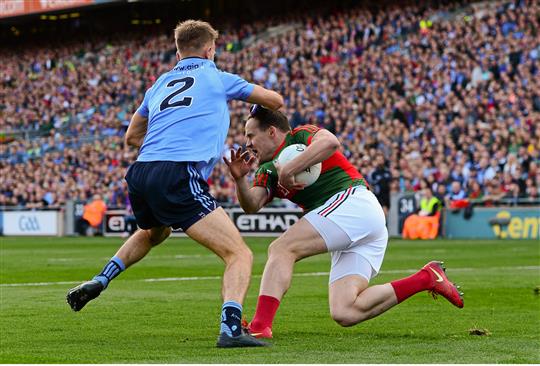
x: 136, y: 130
x: 251, y: 199
x: 267, y: 98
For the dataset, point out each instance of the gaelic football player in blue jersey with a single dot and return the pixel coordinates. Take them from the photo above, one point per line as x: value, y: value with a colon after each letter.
x: 180, y: 128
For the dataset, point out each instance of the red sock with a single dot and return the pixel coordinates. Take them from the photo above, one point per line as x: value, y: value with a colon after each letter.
x: 408, y: 286
x: 265, y: 313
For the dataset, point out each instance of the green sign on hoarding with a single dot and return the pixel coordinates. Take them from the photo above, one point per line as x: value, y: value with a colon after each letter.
x: 494, y: 222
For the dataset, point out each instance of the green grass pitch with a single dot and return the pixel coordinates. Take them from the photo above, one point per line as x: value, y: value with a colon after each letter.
x: 176, y: 319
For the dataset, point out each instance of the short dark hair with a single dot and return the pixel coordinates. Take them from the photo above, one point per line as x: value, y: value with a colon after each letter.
x: 267, y: 117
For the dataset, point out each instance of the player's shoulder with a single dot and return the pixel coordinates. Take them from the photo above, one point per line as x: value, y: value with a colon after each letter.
x: 305, y: 128
x: 163, y: 78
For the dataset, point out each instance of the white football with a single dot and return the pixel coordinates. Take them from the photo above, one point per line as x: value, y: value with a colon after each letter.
x: 308, y: 176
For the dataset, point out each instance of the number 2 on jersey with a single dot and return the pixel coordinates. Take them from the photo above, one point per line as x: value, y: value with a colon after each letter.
x: 185, y: 101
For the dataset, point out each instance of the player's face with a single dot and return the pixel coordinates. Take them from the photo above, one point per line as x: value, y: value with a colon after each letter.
x: 258, y: 141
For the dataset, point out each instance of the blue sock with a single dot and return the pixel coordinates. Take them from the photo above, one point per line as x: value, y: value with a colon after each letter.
x: 231, y: 318
x: 110, y: 271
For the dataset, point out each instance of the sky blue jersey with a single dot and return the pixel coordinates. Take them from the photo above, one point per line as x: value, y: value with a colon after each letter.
x: 188, y: 116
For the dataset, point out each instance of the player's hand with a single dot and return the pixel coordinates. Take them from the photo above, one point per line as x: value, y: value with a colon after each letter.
x: 238, y: 165
x: 286, y: 178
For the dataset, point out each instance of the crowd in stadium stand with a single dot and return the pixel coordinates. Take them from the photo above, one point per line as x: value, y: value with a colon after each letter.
x: 451, y: 103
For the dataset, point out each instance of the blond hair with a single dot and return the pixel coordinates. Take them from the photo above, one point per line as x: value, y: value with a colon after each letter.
x: 192, y: 35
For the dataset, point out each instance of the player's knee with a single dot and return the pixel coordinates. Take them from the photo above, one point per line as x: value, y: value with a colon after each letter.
x: 278, y: 248
x: 238, y: 253
x: 345, y: 317
x: 246, y: 255
x: 344, y: 320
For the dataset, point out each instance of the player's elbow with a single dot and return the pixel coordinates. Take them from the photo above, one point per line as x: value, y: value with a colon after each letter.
x: 133, y: 141
x: 250, y: 209
x: 327, y: 141
x: 331, y: 143
x: 130, y: 140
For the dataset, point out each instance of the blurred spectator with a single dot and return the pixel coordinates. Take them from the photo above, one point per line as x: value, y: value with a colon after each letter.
x: 475, y: 191
x: 425, y: 224
x: 512, y: 195
x: 429, y: 204
x: 456, y: 192
x: 441, y: 194
x: 380, y: 180
x: 130, y: 221
x: 92, y: 218
x: 494, y: 193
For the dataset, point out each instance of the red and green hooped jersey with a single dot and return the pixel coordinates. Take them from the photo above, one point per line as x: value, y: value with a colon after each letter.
x: 337, y: 174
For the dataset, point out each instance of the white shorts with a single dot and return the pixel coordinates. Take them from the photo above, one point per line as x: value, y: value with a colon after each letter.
x: 353, y: 225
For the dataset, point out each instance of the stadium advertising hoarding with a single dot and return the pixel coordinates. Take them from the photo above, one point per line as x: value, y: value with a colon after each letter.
x: 13, y: 8
x: 30, y: 223
x: 267, y: 222
x: 494, y: 222
x: 117, y: 223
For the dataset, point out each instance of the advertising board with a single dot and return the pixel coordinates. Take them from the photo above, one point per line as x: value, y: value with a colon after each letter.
x: 495, y: 222
x: 29, y: 223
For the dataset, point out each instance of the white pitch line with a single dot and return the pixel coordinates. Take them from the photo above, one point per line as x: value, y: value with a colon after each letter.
x: 168, y: 279
x: 309, y: 274
x: 37, y: 284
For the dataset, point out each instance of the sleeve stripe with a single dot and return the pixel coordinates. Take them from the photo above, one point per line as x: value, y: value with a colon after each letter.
x: 308, y: 128
x: 261, y: 180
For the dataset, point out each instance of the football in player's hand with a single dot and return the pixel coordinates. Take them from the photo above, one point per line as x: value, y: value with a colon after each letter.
x: 310, y: 174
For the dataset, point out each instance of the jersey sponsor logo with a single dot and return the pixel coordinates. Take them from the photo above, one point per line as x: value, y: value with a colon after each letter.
x: 187, y: 67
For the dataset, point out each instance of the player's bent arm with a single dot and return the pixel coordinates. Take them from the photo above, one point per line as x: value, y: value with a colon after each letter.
x: 136, y: 130
x: 267, y: 98
x: 251, y: 199
x: 323, y: 145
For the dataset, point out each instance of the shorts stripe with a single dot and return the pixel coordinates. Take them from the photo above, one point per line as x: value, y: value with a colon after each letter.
x: 330, y: 204
x: 209, y: 202
x: 337, y: 203
x: 195, y: 189
x: 199, y: 188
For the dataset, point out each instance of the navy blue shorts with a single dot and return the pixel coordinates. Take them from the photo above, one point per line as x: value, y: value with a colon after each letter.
x: 168, y: 193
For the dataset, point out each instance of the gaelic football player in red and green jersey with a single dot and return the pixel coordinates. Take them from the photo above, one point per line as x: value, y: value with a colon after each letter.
x: 341, y: 216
